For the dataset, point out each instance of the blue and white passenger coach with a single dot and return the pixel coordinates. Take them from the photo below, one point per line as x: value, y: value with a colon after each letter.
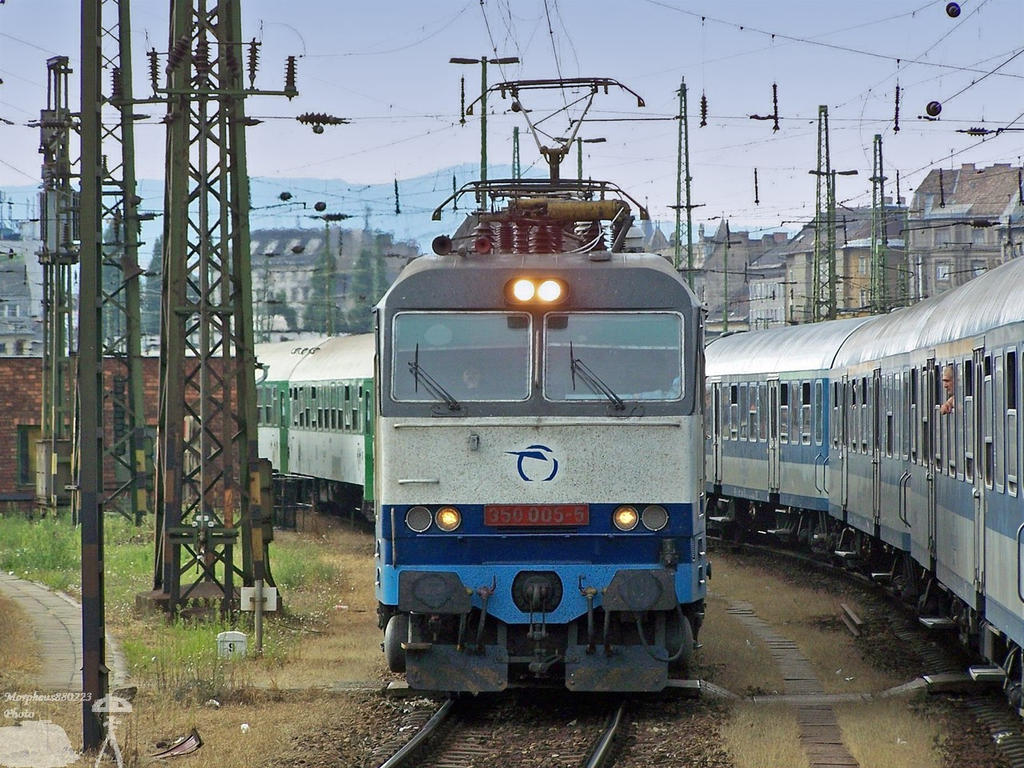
x: 539, y: 469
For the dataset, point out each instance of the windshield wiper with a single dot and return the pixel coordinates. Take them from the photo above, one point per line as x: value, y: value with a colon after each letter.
x: 430, y: 383
x: 578, y: 368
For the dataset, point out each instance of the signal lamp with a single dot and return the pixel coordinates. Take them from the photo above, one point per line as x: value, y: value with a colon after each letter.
x: 448, y: 518
x: 625, y: 518
x: 654, y: 517
x: 418, y: 519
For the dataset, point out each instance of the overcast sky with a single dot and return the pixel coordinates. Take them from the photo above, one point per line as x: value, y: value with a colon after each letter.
x: 384, y: 65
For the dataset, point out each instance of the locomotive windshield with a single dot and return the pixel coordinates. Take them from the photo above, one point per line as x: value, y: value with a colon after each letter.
x: 461, y: 357
x: 615, y: 356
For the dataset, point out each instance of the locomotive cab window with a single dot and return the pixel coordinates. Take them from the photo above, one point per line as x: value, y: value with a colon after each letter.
x: 463, y: 356
x: 596, y: 356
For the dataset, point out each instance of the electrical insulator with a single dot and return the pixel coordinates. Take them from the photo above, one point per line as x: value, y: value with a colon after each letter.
x: 116, y: 91
x: 703, y: 110
x: 952, y: 10
x: 775, y: 106
x: 289, y: 78
x: 896, y: 116
x: 462, y: 101
x: 933, y: 109
x: 253, y: 61
x: 154, y: 67
x: 201, y: 58
x: 177, y: 54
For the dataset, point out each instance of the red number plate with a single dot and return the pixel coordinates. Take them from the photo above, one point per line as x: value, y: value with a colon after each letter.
x: 536, y: 514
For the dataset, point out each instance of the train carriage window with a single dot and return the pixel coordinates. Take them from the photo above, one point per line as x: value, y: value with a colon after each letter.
x: 346, y: 406
x: 854, y: 415
x: 819, y: 407
x: 987, y: 423
x: 937, y: 424
x: 752, y: 413
x: 481, y: 357
x: 733, y: 416
x: 970, y: 434
x: 866, y: 434
x: 357, y: 422
x: 1012, y: 431
x: 743, y: 412
x: 805, y: 413
x: 836, y: 410
x: 890, y: 423
x: 913, y: 427
x: 762, y: 402
x: 999, y: 409
x: 784, y: 412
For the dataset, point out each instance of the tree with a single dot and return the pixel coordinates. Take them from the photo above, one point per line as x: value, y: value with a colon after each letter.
x: 322, y: 302
x: 150, y: 291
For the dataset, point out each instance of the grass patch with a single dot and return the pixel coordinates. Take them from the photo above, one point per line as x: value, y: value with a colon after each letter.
x: 47, y: 550
x: 891, y: 734
x: 763, y: 737
x: 732, y: 657
x: 808, y: 616
x: 18, y: 655
x: 327, y: 625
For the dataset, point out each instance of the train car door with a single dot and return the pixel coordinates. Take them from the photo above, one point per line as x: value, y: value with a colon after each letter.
x: 844, y: 449
x: 876, y: 446
x: 932, y: 402
x: 773, y: 435
x: 979, y: 439
x: 716, y: 433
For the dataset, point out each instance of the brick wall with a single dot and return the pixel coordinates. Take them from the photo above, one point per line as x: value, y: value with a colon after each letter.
x: 20, y: 407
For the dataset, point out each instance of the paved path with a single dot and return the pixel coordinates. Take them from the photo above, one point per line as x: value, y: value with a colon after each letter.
x: 57, y: 626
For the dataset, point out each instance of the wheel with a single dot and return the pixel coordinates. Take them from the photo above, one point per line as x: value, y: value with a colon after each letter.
x: 396, y: 633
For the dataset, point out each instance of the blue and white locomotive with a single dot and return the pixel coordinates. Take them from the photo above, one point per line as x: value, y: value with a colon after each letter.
x: 539, y: 448
x: 920, y: 479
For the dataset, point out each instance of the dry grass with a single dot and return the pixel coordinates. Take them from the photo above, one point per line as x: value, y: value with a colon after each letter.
x: 346, y: 648
x: 19, y: 657
x: 807, y: 616
x: 246, y: 733
x: 757, y: 736
x: 890, y: 734
x: 327, y: 636
x: 732, y: 657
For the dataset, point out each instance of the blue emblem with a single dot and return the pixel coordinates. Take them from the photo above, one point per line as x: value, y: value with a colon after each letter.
x: 537, y: 453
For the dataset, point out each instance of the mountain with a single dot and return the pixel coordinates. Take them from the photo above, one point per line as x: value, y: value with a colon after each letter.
x: 369, y: 206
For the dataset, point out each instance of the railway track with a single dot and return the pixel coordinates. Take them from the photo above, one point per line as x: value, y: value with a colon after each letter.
x: 509, y: 730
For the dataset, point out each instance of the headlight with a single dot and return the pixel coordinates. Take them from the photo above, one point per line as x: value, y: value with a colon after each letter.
x: 625, y: 518
x: 654, y: 517
x: 549, y: 290
x: 448, y: 518
x: 418, y: 519
x: 523, y: 290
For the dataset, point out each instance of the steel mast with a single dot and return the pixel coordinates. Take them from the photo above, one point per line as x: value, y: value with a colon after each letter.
x: 58, y: 207
x: 211, y: 488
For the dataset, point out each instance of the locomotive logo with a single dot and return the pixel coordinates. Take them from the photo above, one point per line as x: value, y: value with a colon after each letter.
x: 530, y: 461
